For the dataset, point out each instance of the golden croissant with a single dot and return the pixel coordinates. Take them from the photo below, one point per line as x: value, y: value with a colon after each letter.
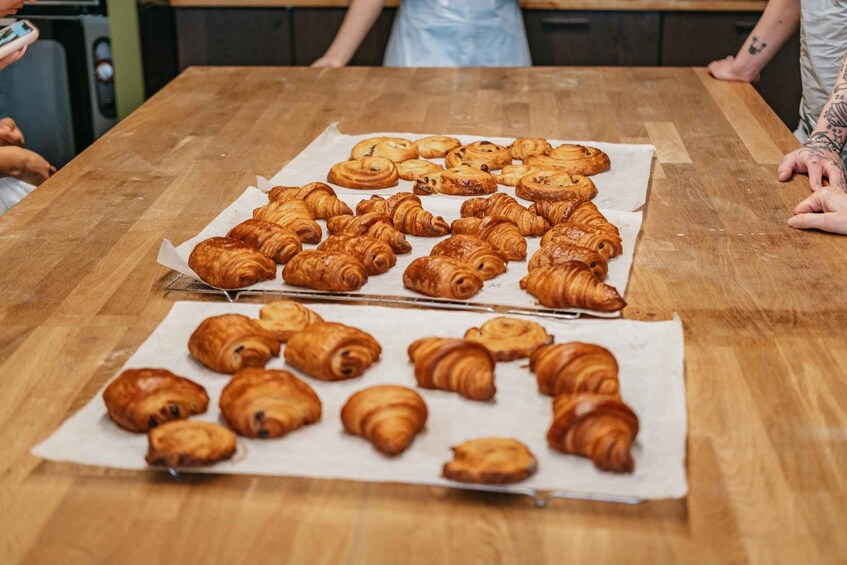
x: 510, y: 338
x: 500, y: 234
x: 388, y: 416
x: 454, y: 365
x: 571, y: 285
x: 374, y: 254
x: 605, y: 242
x: 373, y: 224
x: 229, y: 264
x: 575, y: 210
x: 575, y: 367
x: 232, y: 342
x: 188, y: 443
x: 331, y: 271
x: 329, y: 351
x: 407, y: 214
x: 504, y: 207
x: 320, y: 197
x: 442, y: 277
x: 269, y: 239
x: 284, y: 318
x: 560, y: 252
x: 597, y: 426
x: 295, y: 215
x: 473, y: 252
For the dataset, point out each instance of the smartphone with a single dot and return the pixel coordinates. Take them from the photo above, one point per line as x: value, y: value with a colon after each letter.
x: 17, y: 36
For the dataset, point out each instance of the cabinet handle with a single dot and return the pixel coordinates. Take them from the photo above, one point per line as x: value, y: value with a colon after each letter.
x: 565, y: 22
x: 744, y: 27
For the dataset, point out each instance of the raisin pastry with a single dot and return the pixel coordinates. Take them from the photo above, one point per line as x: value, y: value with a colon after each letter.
x: 510, y: 338
x: 552, y: 185
x: 225, y: 263
x: 491, y: 461
x: 413, y: 169
x: 561, y: 252
x: 407, y: 214
x: 374, y: 254
x: 330, y: 271
x: 295, y: 215
x: 524, y: 147
x: 503, y: 207
x: 437, y: 146
x: 320, y: 197
x: 229, y: 343
x: 269, y: 239
x: 463, y: 180
x: 600, y: 239
x: 372, y: 224
x: 329, y: 351
x: 454, y: 365
x: 511, y: 175
x: 571, y: 285
x: 473, y: 252
x: 388, y: 416
x: 185, y: 443
x: 500, y: 234
x: 442, y: 277
x: 572, y: 159
x: 480, y: 154
x: 284, y: 318
x: 393, y: 148
x: 575, y: 367
x: 364, y: 173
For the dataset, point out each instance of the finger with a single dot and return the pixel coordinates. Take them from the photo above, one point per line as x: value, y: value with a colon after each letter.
x: 815, y: 176
x: 814, y: 203
x: 786, y: 168
x: 808, y: 221
x: 835, y: 174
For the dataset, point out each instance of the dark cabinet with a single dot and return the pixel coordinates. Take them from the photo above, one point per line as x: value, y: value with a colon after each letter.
x: 315, y: 28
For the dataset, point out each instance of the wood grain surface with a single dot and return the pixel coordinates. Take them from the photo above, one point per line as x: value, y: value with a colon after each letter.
x: 640, y: 5
x: 764, y: 309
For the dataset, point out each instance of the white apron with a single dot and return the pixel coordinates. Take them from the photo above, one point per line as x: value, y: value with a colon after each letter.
x: 458, y: 33
x: 12, y: 191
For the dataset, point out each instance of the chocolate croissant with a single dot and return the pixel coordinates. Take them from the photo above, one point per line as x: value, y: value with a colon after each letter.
x: 373, y: 224
x: 571, y: 285
x: 320, y: 197
x: 442, y: 277
x: 374, y: 254
x: 269, y: 239
x: 597, y: 426
x: 388, y: 416
x: 407, y: 214
x: 295, y: 215
x: 500, y: 234
x: 332, y: 352
x: 575, y: 367
x: 504, y: 207
x: 261, y: 403
x: 473, y: 252
x: 225, y: 263
x: 141, y: 399
x: 605, y: 242
x: 232, y: 342
x: 188, y: 443
x: 331, y: 271
x: 560, y: 252
x: 284, y: 318
x: 463, y: 180
x: 510, y: 338
x: 454, y: 365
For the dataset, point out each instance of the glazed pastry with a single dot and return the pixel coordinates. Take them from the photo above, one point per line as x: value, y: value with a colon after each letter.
x: 284, y: 318
x: 261, y: 403
x: 388, y: 416
x: 480, y: 154
x: 367, y: 172
x: 407, y: 214
x: 373, y: 224
x: 524, y: 147
x: 491, y: 461
x: 575, y: 210
x: 597, y: 238
x: 295, y: 215
x: 269, y: 239
x: 504, y: 207
x: 437, y: 146
x: 320, y: 197
x: 393, y: 148
x: 463, y: 180
x: 141, y: 399
x: 510, y: 338
x: 552, y: 185
x: 571, y: 285
x: 575, y: 367
x: 597, y: 426
x: 415, y: 168
x: 473, y: 252
x: 184, y: 443
x: 331, y: 271
x: 225, y: 263
x: 442, y: 277
x: 329, y: 351
x: 572, y: 159
x: 500, y: 234
x: 232, y: 342
x: 560, y: 252
x: 454, y: 365
x: 374, y: 254
x: 512, y: 174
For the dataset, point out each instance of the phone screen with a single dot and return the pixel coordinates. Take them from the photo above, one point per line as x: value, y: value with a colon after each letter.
x: 13, y: 32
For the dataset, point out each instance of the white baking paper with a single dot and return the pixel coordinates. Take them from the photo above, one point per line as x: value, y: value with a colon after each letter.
x: 651, y: 377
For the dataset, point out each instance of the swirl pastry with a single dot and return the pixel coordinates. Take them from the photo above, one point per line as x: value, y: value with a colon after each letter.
x: 229, y: 343
x: 388, y: 416
x: 510, y: 338
x: 320, y: 197
x: 393, y: 148
x: 454, y: 365
x: 225, y: 263
x: 571, y: 285
x: 331, y: 271
x: 442, y: 277
x: 512, y: 174
x: 141, y: 399
x: 575, y: 367
x: 374, y: 254
x: 436, y: 146
x: 184, y: 443
x: 480, y: 154
x: 284, y: 318
x: 260, y: 403
x: 524, y: 147
x: 491, y: 461
x: 373, y: 224
x: 597, y: 426
x: 553, y: 185
x: 473, y: 252
x: 295, y: 215
x: 269, y: 239
x: 601, y: 239
x: 561, y: 252
x: 572, y: 159
x: 413, y: 169
x: 504, y: 207
x: 365, y: 173
x: 329, y: 351
x: 407, y: 214
x: 463, y: 180
x: 500, y: 234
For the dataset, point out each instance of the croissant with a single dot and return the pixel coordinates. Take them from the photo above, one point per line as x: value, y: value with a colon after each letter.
x: 572, y: 159
x: 500, y: 234
x: 480, y: 154
x: 320, y: 197
x: 330, y: 271
x: 510, y: 338
x: 374, y: 254
x: 463, y: 180
x: 407, y: 214
x: 575, y: 367
x: 187, y: 443
x: 571, y: 285
x: 388, y: 416
x: 226, y: 263
x: 523, y: 147
x: 295, y: 215
x: 284, y: 318
x: 597, y: 426
x: 442, y: 277
x: 454, y: 365
x: 550, y: 184
x: 504, y: 207
x: 436, y: 146
x: 413, y: 169
x: 329, y: 351
x: 141, y: 399
x: 232, y: 342
x: 512, y: 174
x: 367, y: 172
x: 260, y: 403
x: 574, y: 209
x: 492, y: 460
x: 373, y: 224
x: 394, y: 148
x: 473, y: 252
x: 603, y: 241
x: 269, y: 239
x: 560, y: 252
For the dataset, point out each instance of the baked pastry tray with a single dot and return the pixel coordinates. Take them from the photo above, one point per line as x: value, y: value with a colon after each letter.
x: 650, y: 355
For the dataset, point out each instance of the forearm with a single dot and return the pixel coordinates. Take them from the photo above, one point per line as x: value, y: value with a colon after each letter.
x: 358, y: 21
x: 11, y: 162
x: 779, y: 21
x: 831, y: 128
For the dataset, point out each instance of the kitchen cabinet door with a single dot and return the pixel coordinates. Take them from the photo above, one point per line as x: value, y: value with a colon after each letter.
x: 315, y: 28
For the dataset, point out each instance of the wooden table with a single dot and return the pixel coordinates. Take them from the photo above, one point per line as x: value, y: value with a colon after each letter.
x: 668, y: 5
x: 764, y: 308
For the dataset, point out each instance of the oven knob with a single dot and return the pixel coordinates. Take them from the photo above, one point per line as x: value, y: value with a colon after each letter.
x: 105, y: 72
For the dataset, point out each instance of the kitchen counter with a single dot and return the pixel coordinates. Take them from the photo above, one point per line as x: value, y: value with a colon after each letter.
x: 661, y: 5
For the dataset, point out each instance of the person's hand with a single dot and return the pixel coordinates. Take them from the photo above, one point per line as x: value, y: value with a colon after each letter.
x: 817, y: 162
x: 727, y: 69
x: 9, y: 133
x: 13, y: 58
x: 327, y: 62
x: 824, y: 210
x: 25, y: 165
x: 9, y: 7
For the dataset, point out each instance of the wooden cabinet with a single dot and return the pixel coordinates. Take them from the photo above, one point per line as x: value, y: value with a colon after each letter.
x: 315, y: 28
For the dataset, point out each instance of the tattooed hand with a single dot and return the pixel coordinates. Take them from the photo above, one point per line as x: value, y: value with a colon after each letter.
x: 818, y: 161
x: 824, y: 210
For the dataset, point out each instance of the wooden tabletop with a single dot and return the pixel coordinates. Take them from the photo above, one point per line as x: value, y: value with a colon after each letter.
x: 764, y: 309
